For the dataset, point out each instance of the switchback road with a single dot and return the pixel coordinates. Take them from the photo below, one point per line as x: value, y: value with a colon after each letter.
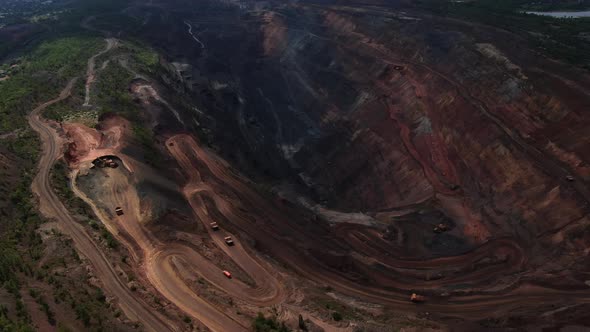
x: 51, y: 207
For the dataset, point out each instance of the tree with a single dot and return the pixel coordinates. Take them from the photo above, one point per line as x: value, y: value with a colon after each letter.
x: 263, y: 324
x: 302, y: 325
x: 337, y: 316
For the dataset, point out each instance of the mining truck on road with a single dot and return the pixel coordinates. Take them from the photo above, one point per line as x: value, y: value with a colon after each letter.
x: 229, y: 240
x: 119, y: 211
x: 417, y: 298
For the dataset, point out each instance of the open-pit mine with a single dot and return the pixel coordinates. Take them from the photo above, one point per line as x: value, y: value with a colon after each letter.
x: 325, y: 166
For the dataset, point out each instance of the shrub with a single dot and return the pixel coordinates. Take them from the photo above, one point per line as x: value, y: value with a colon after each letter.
x: 263, y: 324
x: 337, y: 316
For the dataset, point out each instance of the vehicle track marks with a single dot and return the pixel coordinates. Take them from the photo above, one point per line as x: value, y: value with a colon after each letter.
x: 51, y: 207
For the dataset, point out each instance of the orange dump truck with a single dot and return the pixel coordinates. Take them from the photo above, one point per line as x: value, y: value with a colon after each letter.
x: 227, y: 274
x: 417, y: 298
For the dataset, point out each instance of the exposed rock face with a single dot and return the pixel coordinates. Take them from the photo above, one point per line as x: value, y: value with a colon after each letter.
x: 401, y: 121
x: 275, y: 35
x: 414, y: 121
x: 87, y: 144
x: 378, y: 111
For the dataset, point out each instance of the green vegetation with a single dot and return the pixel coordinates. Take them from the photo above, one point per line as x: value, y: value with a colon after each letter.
x: 144, y: 58
x: 112, y: 86
x: 336, y: 309
x: 88, y: 303
x: 112, y: 92
x: 65, y: 57
x: 55, y: 52
x: 42, y: 75
x: 109, y: 238
x: 146, y: 140
x: 69, y: 107
x: 61, y: 184
x: 40, y: 299
x: 554, y: 5
x: 7, y: 325
x: 337, y: 316
x: 20, y: 245
x: 69, y: 15
x: 148, y: 58
x: 559, y: 38
x: 270, y: 324
x: 57, y: 111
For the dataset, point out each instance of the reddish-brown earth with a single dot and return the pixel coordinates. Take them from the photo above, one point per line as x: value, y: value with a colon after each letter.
x: 376, y: 126
x: 87, y: 144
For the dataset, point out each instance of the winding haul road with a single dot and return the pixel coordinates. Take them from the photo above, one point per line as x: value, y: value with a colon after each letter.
x: 228, y: 193
x: 51, y: 207
x: 90, y: 71
x: 160, y: 261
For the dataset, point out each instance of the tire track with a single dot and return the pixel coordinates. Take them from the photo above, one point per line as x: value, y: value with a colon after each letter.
x: 51, y: 207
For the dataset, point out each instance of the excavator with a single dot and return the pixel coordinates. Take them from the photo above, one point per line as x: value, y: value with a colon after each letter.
x: 440, y: 228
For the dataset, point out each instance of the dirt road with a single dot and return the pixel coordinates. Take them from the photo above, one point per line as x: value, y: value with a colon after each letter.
x: 160, y: 261
x: 543, y: 161
x: 51, y: 207
x: 217, y: 193
x: 90, y: 71
x: 156, y: 257
x: 230, y: 192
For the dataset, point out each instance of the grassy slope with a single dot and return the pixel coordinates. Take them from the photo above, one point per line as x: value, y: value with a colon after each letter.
x: 24, y: 265
x: 42, y: 76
